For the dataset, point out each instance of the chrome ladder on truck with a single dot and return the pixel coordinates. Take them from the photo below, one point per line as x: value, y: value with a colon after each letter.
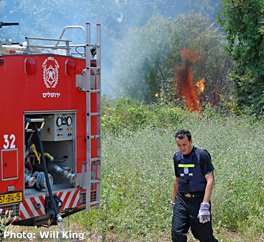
x: 92, y: 88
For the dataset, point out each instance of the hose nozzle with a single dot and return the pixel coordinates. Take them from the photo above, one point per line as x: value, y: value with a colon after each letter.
x: 59, y: 218
x: 65, y: 172
x: 29, y: 180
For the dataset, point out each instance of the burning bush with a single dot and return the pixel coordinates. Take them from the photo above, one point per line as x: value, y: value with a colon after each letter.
x: 184, y: 85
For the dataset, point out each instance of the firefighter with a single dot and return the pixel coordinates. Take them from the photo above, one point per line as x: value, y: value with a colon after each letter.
x: 193, y: 188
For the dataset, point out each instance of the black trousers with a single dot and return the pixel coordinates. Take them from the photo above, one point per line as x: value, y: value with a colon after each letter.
x: 185, y: 216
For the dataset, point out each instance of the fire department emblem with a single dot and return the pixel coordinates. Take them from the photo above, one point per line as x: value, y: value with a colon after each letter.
x: 50, y: 72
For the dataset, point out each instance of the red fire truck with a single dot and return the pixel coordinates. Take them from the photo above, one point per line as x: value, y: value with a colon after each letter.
x: 50, y: 127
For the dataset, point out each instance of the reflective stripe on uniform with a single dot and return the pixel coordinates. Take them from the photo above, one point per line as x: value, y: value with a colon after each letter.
x: 186, y: 165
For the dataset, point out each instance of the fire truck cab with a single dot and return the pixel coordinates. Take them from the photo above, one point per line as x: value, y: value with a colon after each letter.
x: 50, y: 127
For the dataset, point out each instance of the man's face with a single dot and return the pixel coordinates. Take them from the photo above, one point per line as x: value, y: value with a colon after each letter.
x: 184, y: 145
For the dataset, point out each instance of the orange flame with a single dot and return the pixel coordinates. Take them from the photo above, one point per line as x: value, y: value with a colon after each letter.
x: 156, y: 95
x: 184, y: 80
x: 200, y: 85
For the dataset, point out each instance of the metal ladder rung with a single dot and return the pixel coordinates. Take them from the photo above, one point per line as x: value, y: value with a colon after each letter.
x: 94, y: 68
x: 94, y: 203
x: 95, y: 136
x: 95, y: 114
x: 94, y: 91
x: 95, y: 181
x: 96, y: 46
x: 96, y: 159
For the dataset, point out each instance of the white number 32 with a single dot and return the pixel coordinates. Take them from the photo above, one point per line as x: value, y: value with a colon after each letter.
x: 9, y: 141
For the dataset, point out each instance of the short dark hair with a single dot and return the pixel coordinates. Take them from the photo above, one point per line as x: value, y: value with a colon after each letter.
x: 181, y: 134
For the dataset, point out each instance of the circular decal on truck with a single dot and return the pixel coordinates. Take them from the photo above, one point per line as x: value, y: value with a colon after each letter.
x: 50, y: 72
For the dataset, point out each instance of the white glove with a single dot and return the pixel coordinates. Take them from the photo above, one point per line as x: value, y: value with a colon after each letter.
x: 204, y: 213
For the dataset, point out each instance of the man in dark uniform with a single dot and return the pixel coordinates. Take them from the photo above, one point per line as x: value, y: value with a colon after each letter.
x: 193, y: 188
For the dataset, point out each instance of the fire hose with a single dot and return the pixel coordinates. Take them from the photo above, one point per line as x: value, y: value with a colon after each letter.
x: 59, y: 218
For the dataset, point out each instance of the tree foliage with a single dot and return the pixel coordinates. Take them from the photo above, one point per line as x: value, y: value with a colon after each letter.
x: 242, y: 21
x: 147, y: 59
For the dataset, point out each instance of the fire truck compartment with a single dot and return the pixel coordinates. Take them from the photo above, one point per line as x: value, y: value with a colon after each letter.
x: 58, y: 137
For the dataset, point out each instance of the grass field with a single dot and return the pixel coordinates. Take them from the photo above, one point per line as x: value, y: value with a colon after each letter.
x: 138, y: 180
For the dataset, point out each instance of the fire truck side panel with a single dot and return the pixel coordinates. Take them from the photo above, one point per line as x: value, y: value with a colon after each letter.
x: 48, y: 91
x: 11, y: 132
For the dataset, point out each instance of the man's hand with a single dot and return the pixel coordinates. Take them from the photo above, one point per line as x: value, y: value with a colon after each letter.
x: 204, y: 213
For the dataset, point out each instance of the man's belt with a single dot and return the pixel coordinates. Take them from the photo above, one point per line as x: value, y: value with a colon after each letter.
x: 190, y: 195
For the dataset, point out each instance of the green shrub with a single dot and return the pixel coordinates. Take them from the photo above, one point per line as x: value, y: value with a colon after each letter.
x: 130, y: 115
